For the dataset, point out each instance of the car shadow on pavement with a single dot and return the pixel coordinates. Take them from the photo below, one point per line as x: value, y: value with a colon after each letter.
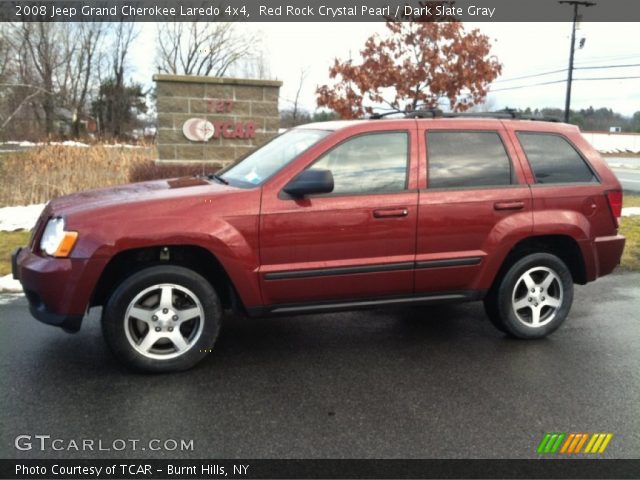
x: 280, y: 340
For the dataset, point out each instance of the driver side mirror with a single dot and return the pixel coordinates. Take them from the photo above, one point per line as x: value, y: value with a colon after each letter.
x: 313, y: 180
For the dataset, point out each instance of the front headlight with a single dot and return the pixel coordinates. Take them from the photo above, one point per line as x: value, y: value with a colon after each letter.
x: 55, y: 240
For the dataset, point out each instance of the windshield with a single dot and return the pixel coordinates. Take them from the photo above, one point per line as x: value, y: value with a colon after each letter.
x: 261, y: 164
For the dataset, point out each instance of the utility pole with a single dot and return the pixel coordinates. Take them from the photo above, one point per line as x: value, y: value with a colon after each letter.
x: 576, y: 4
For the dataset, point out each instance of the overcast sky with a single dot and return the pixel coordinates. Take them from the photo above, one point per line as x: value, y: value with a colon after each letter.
x: 523, y: 48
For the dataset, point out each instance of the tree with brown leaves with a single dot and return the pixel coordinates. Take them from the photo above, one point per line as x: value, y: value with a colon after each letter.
x: 416, y: 65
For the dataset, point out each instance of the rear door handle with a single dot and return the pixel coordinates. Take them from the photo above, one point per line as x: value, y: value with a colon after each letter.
x: 513, y: 205
x: 392, y: 212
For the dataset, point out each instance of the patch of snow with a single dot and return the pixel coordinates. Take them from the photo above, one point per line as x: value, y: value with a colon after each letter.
x: 9, y: 285
x: 69, y: 143
x: 121, y: 145
x: 22, y: 143
x: 20, y: 217
x: 630, y: 211
x: 10, y: 297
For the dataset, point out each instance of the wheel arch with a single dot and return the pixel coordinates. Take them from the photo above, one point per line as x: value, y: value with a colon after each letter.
x: 195, y: 257
x: 564, y: 247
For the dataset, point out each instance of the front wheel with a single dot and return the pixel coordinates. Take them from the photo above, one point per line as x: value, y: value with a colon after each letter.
x: 533, y: 298
x: 162, y: 319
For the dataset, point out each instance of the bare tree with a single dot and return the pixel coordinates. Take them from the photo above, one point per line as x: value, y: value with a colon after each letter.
x: 200, y: 48
x: 252, y: 65
x: 53, y: 71
x: 40, y: 53
x: 293, y: 114
x: 92, y: 39
x: 124, y: 34
x: 303, y: 76
x: 79, y: 77
x: 22, y: 102
x: 117, y: 102
x: 5, y: 53
x: 14, y: 95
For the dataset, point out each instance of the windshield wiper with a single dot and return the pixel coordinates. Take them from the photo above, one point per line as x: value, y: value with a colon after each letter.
x: 218, y: 177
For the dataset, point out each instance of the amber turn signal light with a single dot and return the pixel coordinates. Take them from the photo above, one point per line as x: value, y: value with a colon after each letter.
x: 66, y: 245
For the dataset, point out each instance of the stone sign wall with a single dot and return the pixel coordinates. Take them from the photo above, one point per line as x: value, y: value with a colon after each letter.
x: 214, y: 120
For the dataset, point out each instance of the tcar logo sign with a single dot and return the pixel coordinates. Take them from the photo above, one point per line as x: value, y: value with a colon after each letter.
x: 198, y: 129
x: 201, y: 130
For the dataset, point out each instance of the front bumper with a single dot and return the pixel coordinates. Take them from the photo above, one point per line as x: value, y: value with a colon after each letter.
x: 14, y: 263
x: 39, y: 311
x: 58, y: 289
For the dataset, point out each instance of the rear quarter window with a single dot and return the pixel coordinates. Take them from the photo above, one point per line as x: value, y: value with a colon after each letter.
x: 554, y: 160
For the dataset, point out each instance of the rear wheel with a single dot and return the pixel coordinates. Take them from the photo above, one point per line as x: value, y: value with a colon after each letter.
x: 533, y: 298
x: 162, y: 319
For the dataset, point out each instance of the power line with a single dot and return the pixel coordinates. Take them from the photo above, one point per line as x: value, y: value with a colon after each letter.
x: 527, y: 86
x: 551, y: 72
x: 587, y: 61
x: 530, y: 76
x: 561, y: 81
x: 626, y: 65
x: 602, y: 58
x: 607, y: 78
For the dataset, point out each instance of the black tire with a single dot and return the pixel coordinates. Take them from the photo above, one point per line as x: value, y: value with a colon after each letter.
x: 500, y: 302
x: 491, y: 309
x: 203, y: 329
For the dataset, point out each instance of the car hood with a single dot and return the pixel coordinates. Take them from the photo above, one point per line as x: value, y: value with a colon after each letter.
x: 123, y: 195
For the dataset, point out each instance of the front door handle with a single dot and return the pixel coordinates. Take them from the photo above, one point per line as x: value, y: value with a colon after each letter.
x: 391, y: 212
x: 513, y: 205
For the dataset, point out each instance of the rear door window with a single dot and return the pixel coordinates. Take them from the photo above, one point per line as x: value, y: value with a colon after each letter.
x: 554, y: 160
x: 467, y: 160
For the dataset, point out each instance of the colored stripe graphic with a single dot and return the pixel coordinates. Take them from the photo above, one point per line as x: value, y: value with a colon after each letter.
x: 598, y: 442
x: 567, y: 442
x: 573, y: 443
x: 556, y: 446
x: 604, y: 445
x: 551, y: 443
x: 576, y: 438
x: 594, y: 437
x: 581, y: 443
x: 543, y: 443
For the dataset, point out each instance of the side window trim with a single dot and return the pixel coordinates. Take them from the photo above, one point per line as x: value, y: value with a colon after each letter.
x: 513, y: 179
x: 405, y: 189
x: 586, y: 162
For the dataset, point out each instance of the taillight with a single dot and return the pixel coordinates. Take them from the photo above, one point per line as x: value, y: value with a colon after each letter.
x: 614, y: 197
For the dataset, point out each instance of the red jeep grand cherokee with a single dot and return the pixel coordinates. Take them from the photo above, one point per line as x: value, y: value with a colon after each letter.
x: 332, y: 216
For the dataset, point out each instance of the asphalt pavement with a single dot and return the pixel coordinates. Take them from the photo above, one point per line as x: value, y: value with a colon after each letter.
x: 404, y: 383
x: 629, y: 178
x: 627, y: 169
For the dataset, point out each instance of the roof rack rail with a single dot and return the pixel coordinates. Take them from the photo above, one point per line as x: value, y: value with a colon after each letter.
x: 422, y: 113
x: 507, y: 113
x: 426, y: 113
x: 378, y: 116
